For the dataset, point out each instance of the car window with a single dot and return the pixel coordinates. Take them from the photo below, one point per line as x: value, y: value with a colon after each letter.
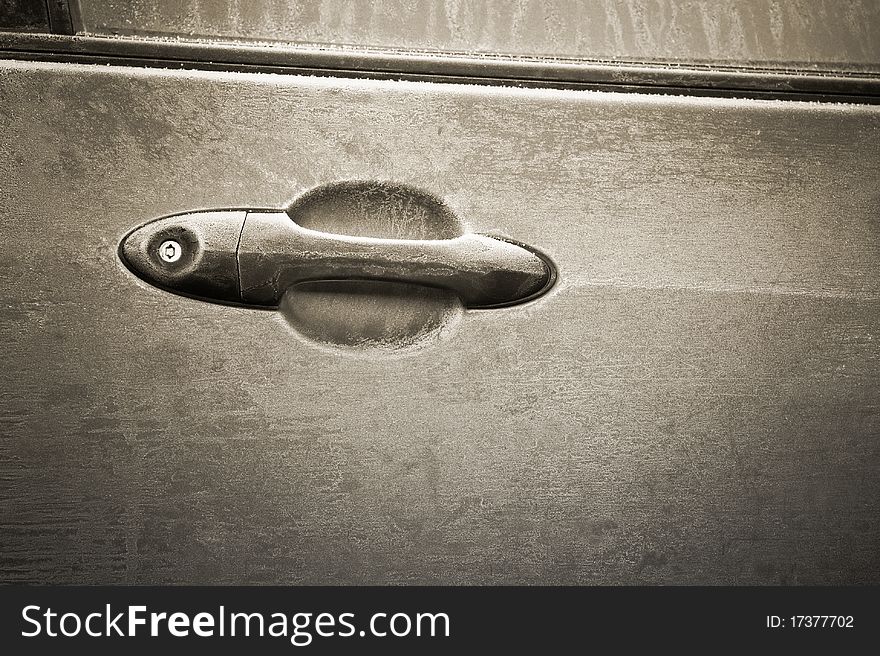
x: 813, y: 34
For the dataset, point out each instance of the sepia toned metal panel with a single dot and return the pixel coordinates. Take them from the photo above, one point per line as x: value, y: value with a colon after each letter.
x: 695, y: 401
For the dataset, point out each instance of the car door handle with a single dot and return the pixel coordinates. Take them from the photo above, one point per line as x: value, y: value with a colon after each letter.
x: 251, y: 257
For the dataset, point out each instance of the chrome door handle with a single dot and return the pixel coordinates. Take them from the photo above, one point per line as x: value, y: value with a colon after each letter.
x: 251, y: 257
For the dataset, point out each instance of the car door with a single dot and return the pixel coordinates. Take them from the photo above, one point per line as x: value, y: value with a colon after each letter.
x: 694, y: 400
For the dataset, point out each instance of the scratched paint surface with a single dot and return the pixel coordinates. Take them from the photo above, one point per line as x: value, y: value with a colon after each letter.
x: 695, y: 402
x: 836, y: 34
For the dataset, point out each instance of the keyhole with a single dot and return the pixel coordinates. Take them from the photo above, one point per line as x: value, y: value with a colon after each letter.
x: 170, y: 251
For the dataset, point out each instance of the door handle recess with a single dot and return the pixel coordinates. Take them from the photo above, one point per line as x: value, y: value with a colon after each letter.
x: 251, y: 257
